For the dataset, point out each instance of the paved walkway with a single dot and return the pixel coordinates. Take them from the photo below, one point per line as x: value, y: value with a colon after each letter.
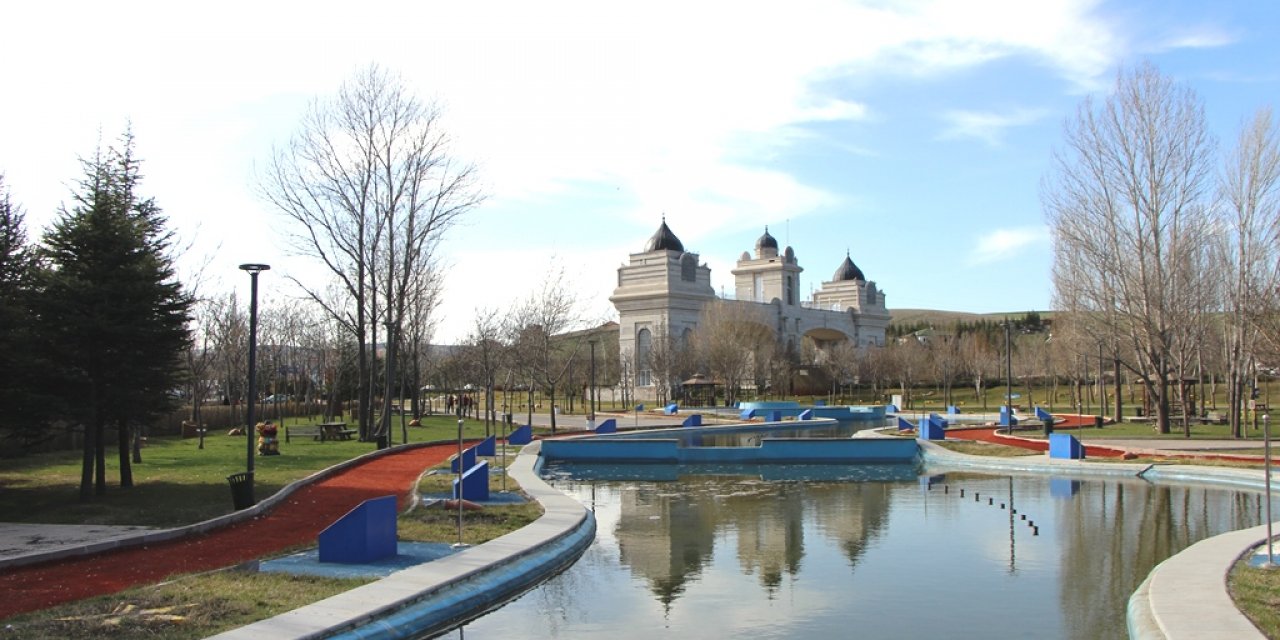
x: 296, y: 521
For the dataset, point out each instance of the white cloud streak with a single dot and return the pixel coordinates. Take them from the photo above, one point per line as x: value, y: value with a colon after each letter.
x: 1000, y: 245
x: 987, y: 127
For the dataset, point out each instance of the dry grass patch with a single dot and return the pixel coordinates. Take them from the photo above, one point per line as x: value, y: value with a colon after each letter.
x: 986, y: 449
x: 439, y: 524
x: 194, y: 606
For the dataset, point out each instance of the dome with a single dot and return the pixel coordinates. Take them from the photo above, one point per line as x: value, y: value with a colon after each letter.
x: 848, y: 271
x: 766, y: 245
x: 664, y: 240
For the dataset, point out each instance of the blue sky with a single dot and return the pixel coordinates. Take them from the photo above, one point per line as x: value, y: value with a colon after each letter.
x: 912, y: 134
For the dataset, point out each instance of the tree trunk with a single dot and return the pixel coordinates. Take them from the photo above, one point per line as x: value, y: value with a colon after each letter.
x: 100, y: 457
x: 1119, y: 417
x: 124, y: 442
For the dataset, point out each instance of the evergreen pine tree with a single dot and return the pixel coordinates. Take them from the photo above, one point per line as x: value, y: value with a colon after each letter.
x: 115, y: 307
x: 24, y: 377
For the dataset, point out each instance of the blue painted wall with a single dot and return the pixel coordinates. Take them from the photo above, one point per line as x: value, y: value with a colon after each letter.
x: 365, y: 534
x: 798, y: 450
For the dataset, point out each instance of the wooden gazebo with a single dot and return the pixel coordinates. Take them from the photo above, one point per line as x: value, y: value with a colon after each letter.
x: 699, y: 391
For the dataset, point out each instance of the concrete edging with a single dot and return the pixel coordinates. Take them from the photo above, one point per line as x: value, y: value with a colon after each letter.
x: 164, y: 535
x: 1184, y: 597
x: 434, y: 596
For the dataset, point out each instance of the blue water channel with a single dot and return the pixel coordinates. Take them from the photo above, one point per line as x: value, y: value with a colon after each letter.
x: 872, y: 551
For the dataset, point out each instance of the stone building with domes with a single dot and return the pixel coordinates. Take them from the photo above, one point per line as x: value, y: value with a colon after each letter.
x: 662, y: 291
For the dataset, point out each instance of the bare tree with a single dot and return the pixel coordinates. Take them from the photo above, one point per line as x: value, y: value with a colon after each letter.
x: 370, y: 180
x: 1246, y: 251
x: 538, y: 330
x: 489, y: 352
x: 1125, y: 205
x: 729, y: 337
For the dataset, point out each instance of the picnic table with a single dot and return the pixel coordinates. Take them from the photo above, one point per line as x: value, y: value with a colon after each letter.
x: 323, y: 431
x: 335, y: 431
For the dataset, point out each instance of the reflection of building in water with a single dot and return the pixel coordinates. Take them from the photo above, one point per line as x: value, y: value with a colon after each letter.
x: 854, y: 514
x: 770, y: 528
x: 665, y: 537
x: 667, y: 532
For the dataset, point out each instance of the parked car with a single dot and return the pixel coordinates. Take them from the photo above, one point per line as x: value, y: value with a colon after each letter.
x: 276, y: 398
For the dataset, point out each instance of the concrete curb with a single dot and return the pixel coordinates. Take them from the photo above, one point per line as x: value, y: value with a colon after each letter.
x: 434, y: 596
x: 164, y: 535
x: 1184, y: 597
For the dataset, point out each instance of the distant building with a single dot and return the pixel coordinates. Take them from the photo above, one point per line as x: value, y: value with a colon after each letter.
x: 663, y: 289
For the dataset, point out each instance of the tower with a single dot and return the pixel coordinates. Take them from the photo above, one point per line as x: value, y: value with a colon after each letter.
x: 660, y: 295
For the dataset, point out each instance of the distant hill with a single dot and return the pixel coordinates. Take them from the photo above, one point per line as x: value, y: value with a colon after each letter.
x: 939, y: 318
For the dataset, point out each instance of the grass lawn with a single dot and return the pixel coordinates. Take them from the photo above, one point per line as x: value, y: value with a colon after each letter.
x: 176, y: 483
x: 438, y: 523
x: 1257, y: 594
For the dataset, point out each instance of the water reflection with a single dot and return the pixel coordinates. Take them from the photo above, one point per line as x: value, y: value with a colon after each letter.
x: 736, y: 555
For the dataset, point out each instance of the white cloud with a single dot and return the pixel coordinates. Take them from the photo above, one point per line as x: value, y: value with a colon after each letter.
x: 1004, y: 244
x: 987, y: 126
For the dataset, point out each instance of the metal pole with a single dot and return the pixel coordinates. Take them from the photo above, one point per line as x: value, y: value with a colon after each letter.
x: 593, y: 381
x: 254, y: 270
x: 1266, y: 460
x: 460, y: 543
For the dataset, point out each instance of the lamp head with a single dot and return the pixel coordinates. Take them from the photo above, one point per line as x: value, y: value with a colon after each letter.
x: 255, y: 269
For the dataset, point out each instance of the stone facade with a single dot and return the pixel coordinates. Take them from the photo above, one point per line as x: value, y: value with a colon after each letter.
x: 662, y: 290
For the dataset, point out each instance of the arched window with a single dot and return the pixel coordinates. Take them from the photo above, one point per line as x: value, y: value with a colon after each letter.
x: 688, y: 268
x: 791, y: 291
x: 644, y: 345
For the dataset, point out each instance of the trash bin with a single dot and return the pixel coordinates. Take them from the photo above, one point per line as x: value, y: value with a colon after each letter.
x: 241, y: 490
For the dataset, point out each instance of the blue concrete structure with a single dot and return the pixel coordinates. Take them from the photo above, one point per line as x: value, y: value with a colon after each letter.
x: 938, y: 420
x: 891, y: 408
x: 1065, y: 446
x: 488, y: 447
x: 671, y: 409
x: 843, y: 413
x: 468, y: 460
x: 905, y: 425
x: 952, y: 410
x: 1007, y: 419
x: 775, y: 416
x: 932, y: 430
x: 807, y: 414
x: 819, y: 403
x: 367, y: 533
x: 608, y: 426
x: 475, y: 483
x: 1044, y: 416
x: 694, y: 420
x: 794, y: 450
x: 522, y: 435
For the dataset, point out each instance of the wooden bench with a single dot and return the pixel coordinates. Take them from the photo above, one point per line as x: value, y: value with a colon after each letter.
x: 312, y: 430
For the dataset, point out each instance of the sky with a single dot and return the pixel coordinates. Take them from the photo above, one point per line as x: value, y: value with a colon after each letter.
x: 913, y: 135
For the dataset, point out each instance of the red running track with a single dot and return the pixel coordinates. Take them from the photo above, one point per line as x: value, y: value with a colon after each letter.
x: 296, y: 521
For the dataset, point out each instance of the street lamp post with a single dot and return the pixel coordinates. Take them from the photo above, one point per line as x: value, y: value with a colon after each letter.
x: 1008, y: 380
x: 593, y: 380
x: 254, y: 270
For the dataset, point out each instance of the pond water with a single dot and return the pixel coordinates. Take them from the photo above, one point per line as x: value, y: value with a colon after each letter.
x: 811, y: 551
